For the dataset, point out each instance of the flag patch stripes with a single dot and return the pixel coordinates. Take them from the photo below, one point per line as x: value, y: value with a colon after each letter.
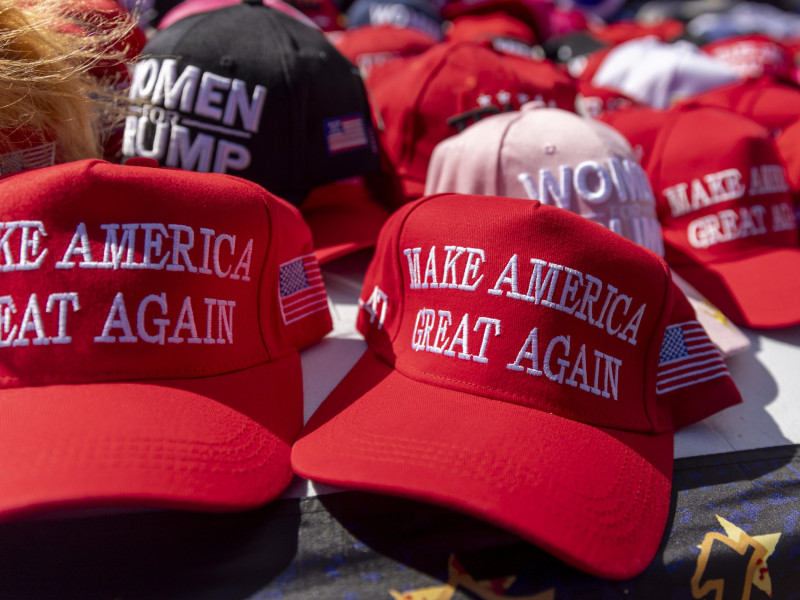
x: 43, y: 155
x: 346, y: 133
x: 687, y: 358
x: 301, y: 290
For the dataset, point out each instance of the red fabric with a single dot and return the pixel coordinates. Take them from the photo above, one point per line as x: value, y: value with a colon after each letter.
x: 727, y: 214
x: 89, y: 16
x: 324, y: 13
x: 753, y: 55
x: 344, y: 217
x: 534, y: 13
x: 767, y: 100
x: 584, y: 67
x: 373, y: 45
x: 414, y: 98
x: 566, y: 20
x: 144, y: 350
x: 489, y: 26
x: 446, y: 406
x: 599, y: 100
x: 640, y: 125
x: 624, y: 31
x: 788, y: 144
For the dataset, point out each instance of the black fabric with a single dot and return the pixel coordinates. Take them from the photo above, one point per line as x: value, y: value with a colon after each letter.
x: 570, y: 46
x: 357, y: 546
x: 308, y: 89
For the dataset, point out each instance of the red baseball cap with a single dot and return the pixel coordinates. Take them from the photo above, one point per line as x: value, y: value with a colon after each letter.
x: 726, y: 214
x: 594, y: 101
x: 639, y: 124
x: 767, y: 100
x: 427, y: 98
x: 535, y: 13
x: 324, y: 13
x: 372, y: 45
x: 521, y: 367
x: 100, y: 18
x: 753, y: 55
x: 490, y: 26
x: 151, y: 321
x: 344, y: 217
x: 624, y: 31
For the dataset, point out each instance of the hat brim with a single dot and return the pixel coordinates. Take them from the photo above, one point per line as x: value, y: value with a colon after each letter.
x: 751, y: 291
x: 215, y: 443
x: 343, y: 219
x: 596, y: 498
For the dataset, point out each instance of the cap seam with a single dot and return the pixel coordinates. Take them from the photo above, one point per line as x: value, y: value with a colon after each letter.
x: 408, y: 145
x: 268, y: 260
x: 656, y: 160
x: 498, y: 162
x: 654, y: 351
x: 399, y: 264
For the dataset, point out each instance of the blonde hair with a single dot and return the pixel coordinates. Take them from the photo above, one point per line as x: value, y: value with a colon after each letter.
x: 50, y: 54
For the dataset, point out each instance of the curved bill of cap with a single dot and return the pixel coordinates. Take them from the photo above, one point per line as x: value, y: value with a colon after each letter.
x: 751, y: 291
x: 595, y: 497
x: 213, y: 443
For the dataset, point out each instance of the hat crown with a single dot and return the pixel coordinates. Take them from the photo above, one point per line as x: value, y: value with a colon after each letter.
x: 521, y: 309
x: 123, y: 273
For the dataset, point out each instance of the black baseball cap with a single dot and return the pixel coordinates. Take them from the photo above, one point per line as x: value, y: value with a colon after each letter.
x: 250, y: 91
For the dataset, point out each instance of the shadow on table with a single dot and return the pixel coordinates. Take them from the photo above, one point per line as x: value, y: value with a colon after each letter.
x: 147, y: 555
x: 747, y: 425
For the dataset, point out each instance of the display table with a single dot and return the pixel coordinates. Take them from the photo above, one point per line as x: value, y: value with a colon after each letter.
x: 733, y: 532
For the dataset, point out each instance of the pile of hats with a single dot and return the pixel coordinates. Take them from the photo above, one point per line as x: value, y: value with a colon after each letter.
x: 572, y: 211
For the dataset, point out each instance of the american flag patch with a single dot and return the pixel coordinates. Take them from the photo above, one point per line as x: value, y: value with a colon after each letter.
x: 346, y: 133
x: 301, y: 290
x: 43, y: 155
x: 687, y: 357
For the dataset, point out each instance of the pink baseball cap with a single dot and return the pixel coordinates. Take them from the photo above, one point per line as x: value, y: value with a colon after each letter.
x: 575, y: 163
x: 727, y: 214
x: 427, y: 98
x: 151, y: 321
x: 520, y: 368
x: 192, y: 7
